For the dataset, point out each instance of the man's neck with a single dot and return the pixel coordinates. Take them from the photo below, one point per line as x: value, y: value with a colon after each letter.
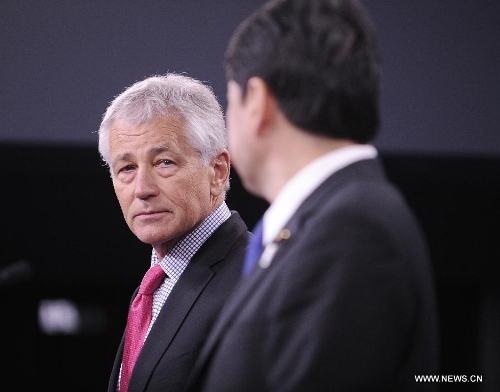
x: 292, y: 153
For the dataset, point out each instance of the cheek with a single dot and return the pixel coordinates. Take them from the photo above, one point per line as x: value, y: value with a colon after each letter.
x: 231, y: 131
x: 231, y: 126
x: 197, y: 197
x: 231, y: 137
x: 234, y: 148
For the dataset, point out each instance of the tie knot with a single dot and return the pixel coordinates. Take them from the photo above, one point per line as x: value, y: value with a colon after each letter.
x: 152, y: 280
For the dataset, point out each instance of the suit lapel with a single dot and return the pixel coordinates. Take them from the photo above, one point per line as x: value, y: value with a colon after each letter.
x: 242, y: 294
x: 186, y: 291
x: 246, y: 289
x: 169, y: 320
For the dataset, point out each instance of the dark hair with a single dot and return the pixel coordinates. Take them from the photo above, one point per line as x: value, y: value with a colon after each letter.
x: 320, y: 60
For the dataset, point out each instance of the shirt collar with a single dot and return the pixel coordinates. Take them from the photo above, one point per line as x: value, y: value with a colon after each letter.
x: 177, y: 259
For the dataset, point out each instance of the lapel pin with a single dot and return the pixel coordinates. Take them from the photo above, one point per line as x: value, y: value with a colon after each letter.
x: 283, y: 235
x: 271, y: 249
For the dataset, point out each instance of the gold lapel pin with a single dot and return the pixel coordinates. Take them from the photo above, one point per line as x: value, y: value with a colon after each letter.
x: 283, y: 235
x: 271, y: 249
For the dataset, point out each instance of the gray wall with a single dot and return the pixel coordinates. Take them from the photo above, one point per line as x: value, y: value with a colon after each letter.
x: 63, y: 61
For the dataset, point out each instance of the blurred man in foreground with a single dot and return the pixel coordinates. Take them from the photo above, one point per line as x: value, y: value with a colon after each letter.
x: 341, y: 297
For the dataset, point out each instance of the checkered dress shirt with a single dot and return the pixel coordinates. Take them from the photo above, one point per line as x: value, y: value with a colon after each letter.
x: 175, y: 262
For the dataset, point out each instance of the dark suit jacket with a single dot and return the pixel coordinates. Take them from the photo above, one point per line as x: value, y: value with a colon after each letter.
x: 174, y: 341
x: 347, y: 303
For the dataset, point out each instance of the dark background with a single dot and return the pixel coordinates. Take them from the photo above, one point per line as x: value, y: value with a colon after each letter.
x: 61, y: 62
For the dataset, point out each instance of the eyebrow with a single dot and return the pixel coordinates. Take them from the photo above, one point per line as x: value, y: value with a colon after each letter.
x: 121, y: 158
x: 127, y: 156
x: 158, y: 150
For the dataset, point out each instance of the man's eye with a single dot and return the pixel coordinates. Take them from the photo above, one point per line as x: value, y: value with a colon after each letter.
x: 165, y: 162
x: 127, y: 168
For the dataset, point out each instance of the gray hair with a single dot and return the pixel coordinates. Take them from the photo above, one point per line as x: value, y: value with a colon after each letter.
x: 165, y: 95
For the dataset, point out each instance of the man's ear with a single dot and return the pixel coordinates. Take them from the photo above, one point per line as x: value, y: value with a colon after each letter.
x: 261, y: 103
x: 221, y: 168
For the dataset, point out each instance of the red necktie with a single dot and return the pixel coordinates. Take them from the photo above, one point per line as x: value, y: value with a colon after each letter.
x: 139, y: 317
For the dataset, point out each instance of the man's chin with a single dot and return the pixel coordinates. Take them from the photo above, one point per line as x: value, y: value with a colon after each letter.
x: 151, y: 237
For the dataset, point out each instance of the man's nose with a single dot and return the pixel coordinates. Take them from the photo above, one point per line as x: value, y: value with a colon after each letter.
x: 145, y: 185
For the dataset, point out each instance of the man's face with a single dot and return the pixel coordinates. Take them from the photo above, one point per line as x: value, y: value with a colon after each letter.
x: 163, y: 188
x: 241, y: 142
